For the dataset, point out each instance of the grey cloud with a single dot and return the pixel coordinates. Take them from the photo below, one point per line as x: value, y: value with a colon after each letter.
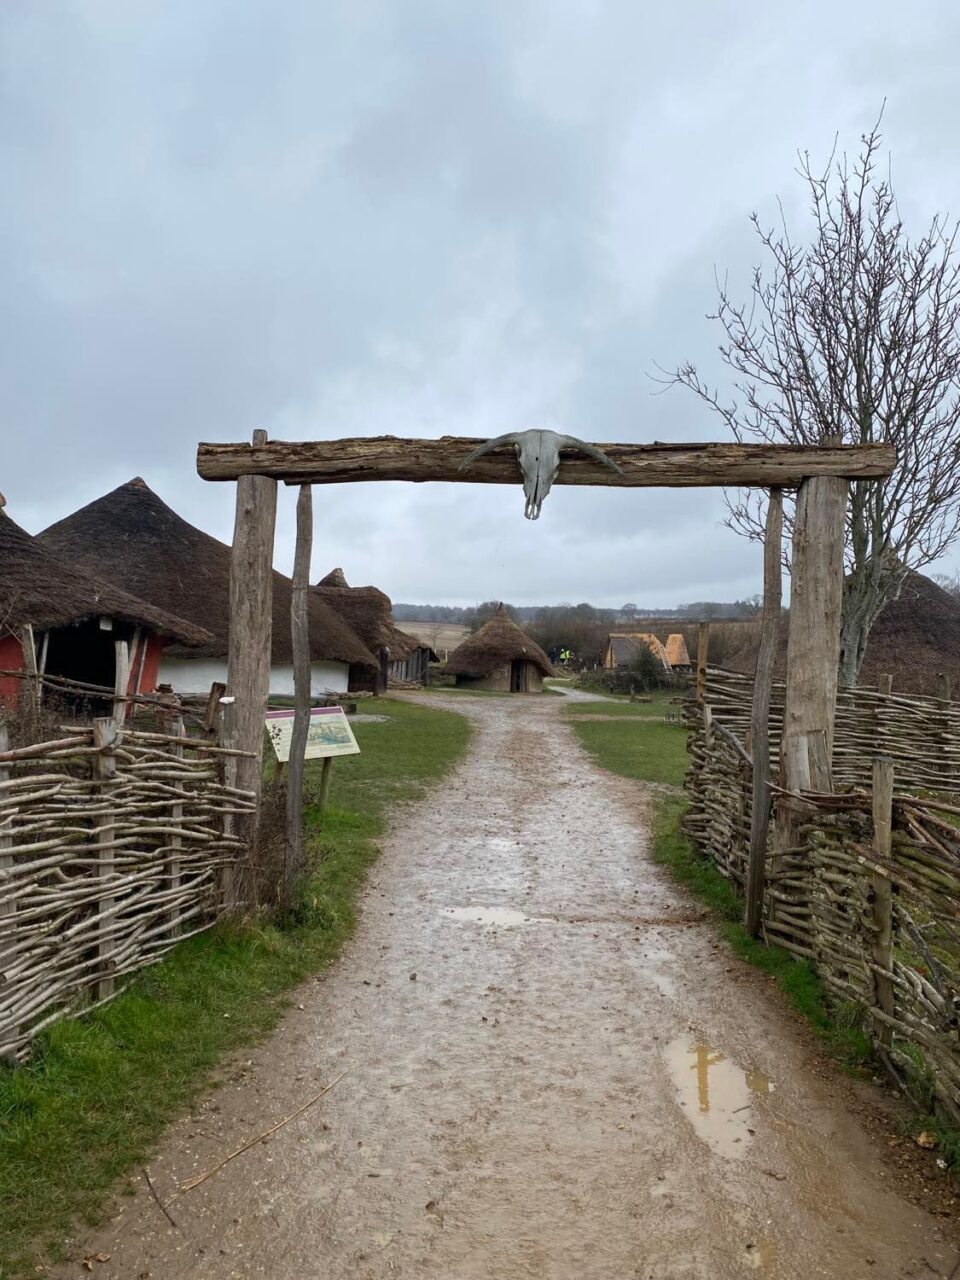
x: 363, y: 217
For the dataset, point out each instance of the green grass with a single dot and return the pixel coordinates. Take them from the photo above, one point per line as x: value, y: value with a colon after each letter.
x: 89, y: 1107
x: 655, y: 752
x: 634, y: 744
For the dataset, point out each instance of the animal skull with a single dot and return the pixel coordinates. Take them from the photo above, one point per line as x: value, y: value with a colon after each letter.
x: 538, y: 453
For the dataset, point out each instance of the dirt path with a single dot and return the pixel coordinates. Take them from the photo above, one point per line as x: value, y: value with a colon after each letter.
x: 554, y: 1071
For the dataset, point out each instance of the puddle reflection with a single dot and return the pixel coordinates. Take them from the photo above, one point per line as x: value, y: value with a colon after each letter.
x: 715, y: 1094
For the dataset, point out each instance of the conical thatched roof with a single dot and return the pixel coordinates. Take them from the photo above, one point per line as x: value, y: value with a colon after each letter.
x: 369, y: 612
x: 915, y: 639
x: 133, y: 539
x: 676, y: 650
x: 39, y: 588
x: 497, y: 642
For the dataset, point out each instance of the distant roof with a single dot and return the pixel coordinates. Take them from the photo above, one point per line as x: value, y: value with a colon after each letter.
x: 625, y: 646
x: 40, y: 588
x: 676, y: 650
x: 369, y: 612
x: 131, y: 538
x: 497, y: 642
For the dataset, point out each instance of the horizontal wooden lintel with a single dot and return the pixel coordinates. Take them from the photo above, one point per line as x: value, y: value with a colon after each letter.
x: 368, y: 458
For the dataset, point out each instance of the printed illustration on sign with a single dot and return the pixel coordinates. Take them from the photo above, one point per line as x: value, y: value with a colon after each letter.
x: 329, y: 734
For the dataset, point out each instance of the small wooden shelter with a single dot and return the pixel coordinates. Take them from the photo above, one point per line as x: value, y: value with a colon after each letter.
x: 57, y: 621
x: 500, y: 657
x: 132, y: 539
x: 623, y: 649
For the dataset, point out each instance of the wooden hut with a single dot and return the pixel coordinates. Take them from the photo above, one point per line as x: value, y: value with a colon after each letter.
x: 501, y: 657
x: 59, y: 621
x: 623, y: 648
x: 677, y: 654
x: 401, y: 657
x: 132, y: 539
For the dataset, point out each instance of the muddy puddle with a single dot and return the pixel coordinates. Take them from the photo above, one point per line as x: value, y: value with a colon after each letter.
x: 717, y: 1096
x: 492, y: 917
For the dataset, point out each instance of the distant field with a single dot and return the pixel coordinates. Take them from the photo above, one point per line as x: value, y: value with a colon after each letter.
x: 443, y: 637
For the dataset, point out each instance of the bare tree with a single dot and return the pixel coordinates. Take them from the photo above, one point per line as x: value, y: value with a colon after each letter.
x: 853, y: 337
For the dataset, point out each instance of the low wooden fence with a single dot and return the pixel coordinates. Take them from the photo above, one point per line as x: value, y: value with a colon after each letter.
x: 113, y: 847
x: 871, y: 891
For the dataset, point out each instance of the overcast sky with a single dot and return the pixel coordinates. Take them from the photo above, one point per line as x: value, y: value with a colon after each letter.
x: 416, y: 218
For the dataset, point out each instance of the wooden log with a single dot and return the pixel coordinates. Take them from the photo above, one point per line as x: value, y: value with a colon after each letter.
x: 300, y: 634
x: 251, y: 617
x: 105, y: 737
x: 703, y: 648
x: 760, y: 712
x: 673, y: 465
x: 813, y: 649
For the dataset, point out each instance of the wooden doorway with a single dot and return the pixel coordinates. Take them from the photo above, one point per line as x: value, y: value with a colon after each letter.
x: 518, y: 676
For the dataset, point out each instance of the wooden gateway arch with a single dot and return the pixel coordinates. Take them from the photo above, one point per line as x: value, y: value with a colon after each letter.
x: 820, y: 476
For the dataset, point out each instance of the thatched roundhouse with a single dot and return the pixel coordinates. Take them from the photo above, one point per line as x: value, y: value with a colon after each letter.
x: 370, y: 612
x: 501, y: 657
x: 74, y: 621
x: 131, y: 538
x: 916, y: 639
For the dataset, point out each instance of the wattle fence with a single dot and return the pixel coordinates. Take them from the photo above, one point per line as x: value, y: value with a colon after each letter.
x: 114, y: 846
x: 878, y: 914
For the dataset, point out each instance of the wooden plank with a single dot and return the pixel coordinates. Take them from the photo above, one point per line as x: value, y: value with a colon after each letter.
x: 672, y: 465
x: 105, y: 737
x: 760, y: 712
x: 251, y: 617
x: 882, y: 895
x: 300, y: 635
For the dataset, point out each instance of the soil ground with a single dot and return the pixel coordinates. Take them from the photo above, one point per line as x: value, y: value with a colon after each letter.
x: 553, y: 1070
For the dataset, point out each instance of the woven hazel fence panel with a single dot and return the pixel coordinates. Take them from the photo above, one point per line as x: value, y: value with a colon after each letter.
x: 104, y: 868
x: 820, y: 897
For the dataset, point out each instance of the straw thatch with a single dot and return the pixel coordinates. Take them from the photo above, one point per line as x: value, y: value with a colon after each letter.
x: 368, y: 611
x: 676, y: 650
x: 915, y: 639
x: 496, y: 643
x: 133, y: 539
x: 39, y: 588
x: 623, y: 648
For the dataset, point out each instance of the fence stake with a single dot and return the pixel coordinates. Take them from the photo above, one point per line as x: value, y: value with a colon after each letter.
x: 703, y: 645
x: 105, y: 737
x: 882, y: 893
x: 300, y: 635
x: 760, y: 713
x: 326, y: 777
x: 231, y: 778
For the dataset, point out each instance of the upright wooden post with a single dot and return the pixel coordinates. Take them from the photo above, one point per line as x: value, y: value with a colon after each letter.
x: 121, y: 681
x: 326, y: 777
x: 813, y: 650
x: 105, y: 737
x: 300, y: 634
x: 946, y: 686
x: 251, y: 618
x: 30, y: 687
x: 882, y: 893
x: 7, y: 907
x: 703, y: 645
x: 885, y: 685
x: 760, y: 712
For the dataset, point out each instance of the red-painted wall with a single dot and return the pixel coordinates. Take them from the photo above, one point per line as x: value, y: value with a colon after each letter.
x: 11, y: 659
x: 151, y: 664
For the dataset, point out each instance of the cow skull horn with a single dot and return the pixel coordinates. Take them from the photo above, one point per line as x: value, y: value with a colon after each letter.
x: 538, y: 453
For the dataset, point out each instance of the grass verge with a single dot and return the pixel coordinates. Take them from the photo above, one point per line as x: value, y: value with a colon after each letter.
x: 99, y: 1091
x: 635, y: 741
